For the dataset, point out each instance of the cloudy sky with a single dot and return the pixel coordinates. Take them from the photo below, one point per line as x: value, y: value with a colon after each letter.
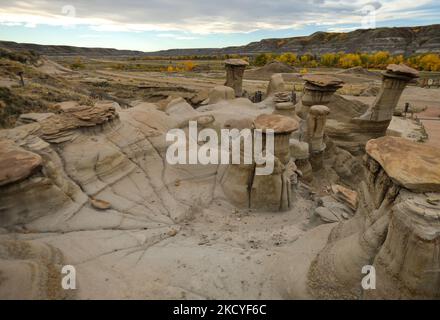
x: 150, y: 25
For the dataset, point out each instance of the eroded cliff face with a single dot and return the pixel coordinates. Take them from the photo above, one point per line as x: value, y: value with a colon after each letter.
x: 403, y: 40
x: 395, y: 229
x: 400, y: 40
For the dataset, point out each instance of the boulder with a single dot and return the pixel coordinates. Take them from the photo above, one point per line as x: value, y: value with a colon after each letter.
x: 414, y: 166
x: 16, y: 163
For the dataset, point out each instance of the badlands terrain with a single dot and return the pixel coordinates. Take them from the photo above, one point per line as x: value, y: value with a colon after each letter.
x: 84, y: 181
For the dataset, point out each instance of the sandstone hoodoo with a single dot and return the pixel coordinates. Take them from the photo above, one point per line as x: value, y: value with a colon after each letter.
x: 355, y: 123
x: 394, y: 82
x: 419, y: 172
x: 271, y: 191
x: 395, y: 229
x: 274, y: 192
x: 318, y: 90
x: 282, y: 128
x: 315, y: 134
x: 234, y: 75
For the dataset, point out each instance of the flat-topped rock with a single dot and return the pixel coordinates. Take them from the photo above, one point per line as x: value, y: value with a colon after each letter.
x: 282, y: 96
x: 321, y: 80
x: 16, y: 163
x: 59, y: 128
x: 236, y: 62
x: 97, y: 114
x: 278, y: 123
x: 403, y: 70
x: 412, y: 165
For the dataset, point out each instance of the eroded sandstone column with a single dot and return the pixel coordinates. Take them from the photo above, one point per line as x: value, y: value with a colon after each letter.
x: 395, y: 79
x: 237, y: 177
x: 286, y: 109
x: 315, y: 134
x: 234, y: 75
x: 395, y: 229
x: 318, y: 90
x: 300, y: 153
x: 273, y: 192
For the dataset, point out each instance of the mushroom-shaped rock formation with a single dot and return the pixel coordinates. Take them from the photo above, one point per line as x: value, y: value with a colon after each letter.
x: 352, y: 123
x: 282, y: 127
x: 315, y: 134
x: 234, y: 75
x: 318, y: 90
x: 396, y: 229
x: 395, y: 79
x: 419, y: 172
x: 273, y: 192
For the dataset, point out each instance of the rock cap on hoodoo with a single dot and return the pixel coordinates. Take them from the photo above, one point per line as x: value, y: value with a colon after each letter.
x: 401, y: 69
x: 322, y: 80
x: 236, y: 62
x: 412, y: 165
x: 275, y: 122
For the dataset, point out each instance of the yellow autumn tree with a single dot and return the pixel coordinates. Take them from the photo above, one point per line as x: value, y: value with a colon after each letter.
x: 189, y: 65
x: 350, y: 60
x: 430, y: 62
x: 380, y: 59
x: 329, y: 59
x: 397, y: 59
x: 305, y: 59
x: 287, y: 58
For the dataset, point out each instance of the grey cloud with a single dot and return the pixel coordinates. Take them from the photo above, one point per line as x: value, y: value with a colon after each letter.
x: 241, y: 15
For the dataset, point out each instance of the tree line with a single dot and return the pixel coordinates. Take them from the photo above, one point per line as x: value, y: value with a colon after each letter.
x: 378, y: 60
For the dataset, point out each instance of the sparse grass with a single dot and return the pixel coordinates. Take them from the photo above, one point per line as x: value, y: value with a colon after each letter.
x: 12, y: 105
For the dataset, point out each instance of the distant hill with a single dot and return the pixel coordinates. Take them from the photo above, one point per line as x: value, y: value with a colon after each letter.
x: 399, y: 40
x: 403, y: 40
x: 51, y: 50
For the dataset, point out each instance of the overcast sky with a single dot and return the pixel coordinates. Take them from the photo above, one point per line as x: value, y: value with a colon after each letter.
x: 151, y: 25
